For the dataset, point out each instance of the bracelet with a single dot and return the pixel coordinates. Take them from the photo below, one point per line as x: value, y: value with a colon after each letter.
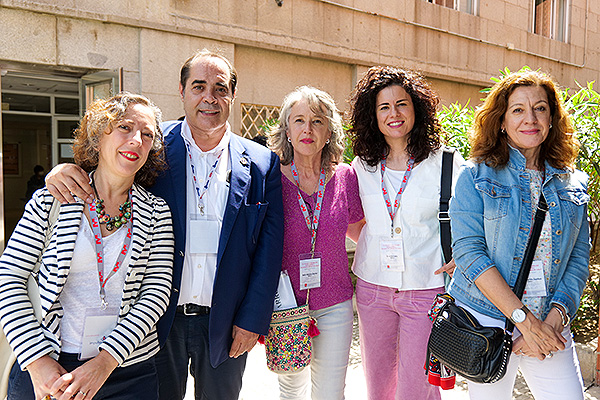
x: 563, y: 316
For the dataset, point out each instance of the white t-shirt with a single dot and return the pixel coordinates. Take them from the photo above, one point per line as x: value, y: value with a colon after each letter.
x: 81, y: 292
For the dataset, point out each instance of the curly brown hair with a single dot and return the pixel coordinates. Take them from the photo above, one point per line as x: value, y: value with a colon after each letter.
x: 490, y: 145
x: 100, y: 119
x: 368, y: 142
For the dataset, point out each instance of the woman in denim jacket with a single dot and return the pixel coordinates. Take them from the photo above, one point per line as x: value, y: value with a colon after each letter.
x: 522, y: 144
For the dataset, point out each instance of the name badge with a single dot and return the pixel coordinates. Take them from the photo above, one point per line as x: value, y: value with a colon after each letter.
x: 95, y: 330
x: 204, y: 236
x: 310, y: 271
x: 392, y: 254
x: 536, y: 283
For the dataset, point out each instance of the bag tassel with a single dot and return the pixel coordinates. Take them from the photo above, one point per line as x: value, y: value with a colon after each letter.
x: 261, y: 339
x: 312, y: 328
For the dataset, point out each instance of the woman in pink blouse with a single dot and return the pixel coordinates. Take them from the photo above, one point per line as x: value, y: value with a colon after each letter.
x: 321, y: 206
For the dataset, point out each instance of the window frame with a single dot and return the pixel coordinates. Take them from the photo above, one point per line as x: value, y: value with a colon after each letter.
x: 466, y: 6
x: 560, y: 15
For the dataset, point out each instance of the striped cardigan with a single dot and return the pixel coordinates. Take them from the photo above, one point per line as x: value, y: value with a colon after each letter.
x: 146, y: 290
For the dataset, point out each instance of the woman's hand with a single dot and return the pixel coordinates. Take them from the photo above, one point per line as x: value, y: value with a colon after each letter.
x: 554, y: 319
x: 521, y: 348
x: 86, y: 380
x: 541, y: 338
x: 66, y: 180
x: 44, y: 372
x: 447, y: 268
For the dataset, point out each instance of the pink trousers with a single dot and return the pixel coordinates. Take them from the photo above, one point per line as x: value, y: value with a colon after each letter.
x: 394, y: 329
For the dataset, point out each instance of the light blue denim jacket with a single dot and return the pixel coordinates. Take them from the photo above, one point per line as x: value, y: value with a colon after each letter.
x: 491, y: 217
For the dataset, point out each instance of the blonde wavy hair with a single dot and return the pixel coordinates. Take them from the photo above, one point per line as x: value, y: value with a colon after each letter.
x: 322, y: 104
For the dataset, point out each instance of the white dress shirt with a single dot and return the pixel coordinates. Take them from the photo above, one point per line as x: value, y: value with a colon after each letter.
x: 415, y: 223
x: 199, y: 269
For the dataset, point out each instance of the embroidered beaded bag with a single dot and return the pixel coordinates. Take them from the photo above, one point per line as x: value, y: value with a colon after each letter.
x: 288, y: 344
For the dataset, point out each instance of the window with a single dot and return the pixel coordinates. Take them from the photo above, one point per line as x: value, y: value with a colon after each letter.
x: 550, y: 19
x: 256, y: 118
x: 467, y: 6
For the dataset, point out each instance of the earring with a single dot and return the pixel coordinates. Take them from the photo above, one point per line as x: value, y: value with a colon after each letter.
x: 289, y: 140
x: 327, y: 141
x: 503, y: 131
x: 550, y: 126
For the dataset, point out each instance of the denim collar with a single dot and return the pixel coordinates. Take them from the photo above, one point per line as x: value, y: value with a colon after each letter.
x: 517, y: 161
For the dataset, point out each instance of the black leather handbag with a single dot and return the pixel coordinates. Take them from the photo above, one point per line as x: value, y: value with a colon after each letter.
x: 477, y: 352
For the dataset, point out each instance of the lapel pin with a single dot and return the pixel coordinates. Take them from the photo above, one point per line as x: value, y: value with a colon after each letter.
x: 244, y: 161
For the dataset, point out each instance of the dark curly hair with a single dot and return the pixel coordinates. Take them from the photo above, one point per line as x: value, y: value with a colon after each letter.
x: 100, y: 118
x: 368, y: 142
x: 490, y: 145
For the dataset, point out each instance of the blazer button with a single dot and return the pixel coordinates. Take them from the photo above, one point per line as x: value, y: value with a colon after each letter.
x: 398, y: 230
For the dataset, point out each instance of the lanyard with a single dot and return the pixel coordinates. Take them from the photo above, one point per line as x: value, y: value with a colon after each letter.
x: 100, y: 251
x: 392, y: 210
x: 201, y: 192
x: 311, y: 223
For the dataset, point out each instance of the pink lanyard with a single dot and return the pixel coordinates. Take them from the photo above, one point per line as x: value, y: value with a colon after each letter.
x: 100, y: 251
x: 311, y: 223
x: 392, y: 210
x: 201, y: 192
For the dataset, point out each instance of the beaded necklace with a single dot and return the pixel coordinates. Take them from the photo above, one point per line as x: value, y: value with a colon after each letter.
x: 104, y: 218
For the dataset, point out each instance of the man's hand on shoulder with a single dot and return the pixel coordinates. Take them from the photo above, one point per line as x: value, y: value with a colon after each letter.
x: 243, y: 341
x: 66, y: 180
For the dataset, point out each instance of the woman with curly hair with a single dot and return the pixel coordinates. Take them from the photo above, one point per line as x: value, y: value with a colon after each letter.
x: 523, y: 154
x: 321, y: 206
x: 398, y: 261
x: 105, y: 272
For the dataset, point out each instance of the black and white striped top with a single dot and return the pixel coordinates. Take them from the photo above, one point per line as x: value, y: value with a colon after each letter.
x: 145, y: 294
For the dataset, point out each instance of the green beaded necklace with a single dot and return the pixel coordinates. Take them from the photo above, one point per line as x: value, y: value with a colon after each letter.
x: 104, y: 218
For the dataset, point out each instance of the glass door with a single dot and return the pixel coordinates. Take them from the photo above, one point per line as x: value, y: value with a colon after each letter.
x: 62, y: 138
x: 100, y: 85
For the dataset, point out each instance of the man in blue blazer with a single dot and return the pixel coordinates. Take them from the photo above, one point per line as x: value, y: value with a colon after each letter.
x: 224, y: 192
x: 249, y: 226
x: 248, y: 257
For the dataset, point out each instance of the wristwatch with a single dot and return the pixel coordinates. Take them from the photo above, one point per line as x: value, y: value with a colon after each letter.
x: 519, y: 314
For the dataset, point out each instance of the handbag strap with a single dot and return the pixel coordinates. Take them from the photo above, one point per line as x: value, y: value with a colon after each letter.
x: 540, y: 216
x: 445, y: 194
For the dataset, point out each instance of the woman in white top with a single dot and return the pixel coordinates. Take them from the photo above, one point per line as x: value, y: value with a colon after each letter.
x: 395, y: 136
x: 105, y: 275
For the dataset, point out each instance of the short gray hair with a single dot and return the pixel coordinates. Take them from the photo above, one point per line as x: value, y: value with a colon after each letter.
x: 321, y: 103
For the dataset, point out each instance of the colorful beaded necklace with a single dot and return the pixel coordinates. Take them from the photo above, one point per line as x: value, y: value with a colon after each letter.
x: 104, y: 218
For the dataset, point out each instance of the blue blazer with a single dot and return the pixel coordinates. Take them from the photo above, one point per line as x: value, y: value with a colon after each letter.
x: 250, y: 246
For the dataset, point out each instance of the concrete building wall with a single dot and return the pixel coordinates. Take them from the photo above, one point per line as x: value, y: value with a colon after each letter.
x: 325, y: 43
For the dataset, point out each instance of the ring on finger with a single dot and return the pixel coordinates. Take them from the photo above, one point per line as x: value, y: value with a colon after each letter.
x: 549, y: 355
x: 83, y: 394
